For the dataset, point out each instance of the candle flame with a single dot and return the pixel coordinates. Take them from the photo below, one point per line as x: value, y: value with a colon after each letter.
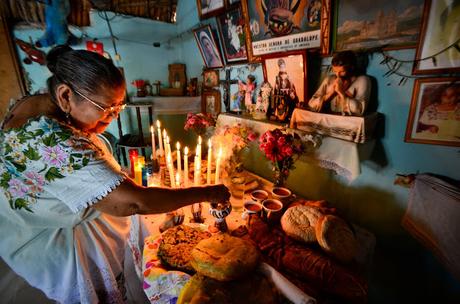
x: 178, y: 145
x: 151, y: 129
x: 220, y: 151
x: 186, y: 150
x: 158, y: 124
x: 199, y: 140
x: 167, y: 139
x: 209, y: 143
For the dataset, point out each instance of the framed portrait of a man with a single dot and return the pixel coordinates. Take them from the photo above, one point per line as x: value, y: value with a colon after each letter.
x: 434, y: 116
x: 208, y: 47
x: 287, y: 76
x: 233, y: 35
x: 437, y: 50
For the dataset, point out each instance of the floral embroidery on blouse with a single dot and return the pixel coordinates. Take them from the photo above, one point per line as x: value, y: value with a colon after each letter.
x: 35, y: 155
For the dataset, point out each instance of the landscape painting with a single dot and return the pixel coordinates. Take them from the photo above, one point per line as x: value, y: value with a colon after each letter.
x: 364, y: 24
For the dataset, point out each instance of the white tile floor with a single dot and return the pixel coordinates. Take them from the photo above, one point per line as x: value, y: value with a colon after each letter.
x: 13, y: 289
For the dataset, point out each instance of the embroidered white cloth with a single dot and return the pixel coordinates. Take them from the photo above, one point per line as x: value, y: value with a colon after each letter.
x: 432, y: 217
x: 49, y: 176
x: 357, y: 129
x: 343, y: 157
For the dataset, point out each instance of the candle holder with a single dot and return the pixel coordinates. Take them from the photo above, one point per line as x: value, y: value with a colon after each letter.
x: 197, y: 209
x: 220, y: 210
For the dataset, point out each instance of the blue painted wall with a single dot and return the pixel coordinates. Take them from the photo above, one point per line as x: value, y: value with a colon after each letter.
x: 403, y: 271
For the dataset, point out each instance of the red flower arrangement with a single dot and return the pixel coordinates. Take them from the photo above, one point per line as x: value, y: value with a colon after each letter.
x: 199, y: 122
x: 282, y: 149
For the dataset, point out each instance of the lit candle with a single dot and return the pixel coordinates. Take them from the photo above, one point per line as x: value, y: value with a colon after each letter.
x: 219, y: 157
x: 208, y: 171
x: 177, y: 180
x: 138, y: 171
x: 186, y: 167
x: 171, y: 170
x: 198, y: 173
x: 168, y: 147
x: 195, y: 170
x: 154, y: 149
x: 165, y: 135
x: 198, y: 148
x: 179, y: 162
x: 160, y: 140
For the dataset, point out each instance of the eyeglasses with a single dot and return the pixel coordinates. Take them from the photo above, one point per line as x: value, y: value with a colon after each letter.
x: 111, y: 109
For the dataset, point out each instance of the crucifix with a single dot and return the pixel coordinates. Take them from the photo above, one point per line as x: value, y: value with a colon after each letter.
x: 226, y: 83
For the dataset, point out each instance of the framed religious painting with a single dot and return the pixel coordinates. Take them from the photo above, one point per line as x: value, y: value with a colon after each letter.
x: 438, y: 49
x: 208, y: 47
x: 287, y: 76
x: 377, y: 24
x: 211, y: 102
x: 434, y: 116
x: 209, y: 8
x: 233, y: 36
x: 280, y: 26
x: 210, y: 79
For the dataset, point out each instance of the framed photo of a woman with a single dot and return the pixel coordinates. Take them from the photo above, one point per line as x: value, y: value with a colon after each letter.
x: 437, y: 50
x: 287, y: 76
x: 434, y: 116
x: 208, y: 47
x: 211, y: 102
x: 209, y: 8
x: 233, y: 35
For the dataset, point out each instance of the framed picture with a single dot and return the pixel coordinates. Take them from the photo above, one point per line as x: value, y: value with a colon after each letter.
x: 211, y: 102
x: 233, y: 36
x: 209, y: 8
x: 440, y: 31
x: 210, y: 79
x: 287, y: 76
x: 377, y: 24
x: 232, y: 2
x: 434, y: 116
x: 279, y: 26
x: 208, y: 47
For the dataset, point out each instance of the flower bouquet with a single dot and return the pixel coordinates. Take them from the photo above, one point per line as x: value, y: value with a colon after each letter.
x: 199, y: 123
x: 282, y: 149
x: 233, y: 139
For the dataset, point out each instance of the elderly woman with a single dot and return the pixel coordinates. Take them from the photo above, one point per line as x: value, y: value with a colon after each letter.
x: 344, y: 92
x: 64, y: 200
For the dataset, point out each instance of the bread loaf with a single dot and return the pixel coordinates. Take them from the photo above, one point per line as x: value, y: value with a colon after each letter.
x: 336, y: 238
x: 299, y: 222
x: 224, y: 257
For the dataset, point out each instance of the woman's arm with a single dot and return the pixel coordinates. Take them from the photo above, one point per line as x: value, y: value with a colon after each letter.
x: 129, y: 198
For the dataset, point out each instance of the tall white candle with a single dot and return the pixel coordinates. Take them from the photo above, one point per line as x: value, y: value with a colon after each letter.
x: 179, y: 162
x: 177, y: 180
x: 160, y: 140
x: 198, y: 148
x: 186, y: 167
x: 168, y: 147
x: 195, y: 170
x: 165, y: 137
x: 171, y: 170
x: 219, y: 158
x: 208, y: 171
x: 154, y: 149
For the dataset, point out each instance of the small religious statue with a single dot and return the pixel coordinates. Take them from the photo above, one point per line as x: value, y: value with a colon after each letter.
x: 263, y: 101
x: 192, y: 87
x: 245, y: 95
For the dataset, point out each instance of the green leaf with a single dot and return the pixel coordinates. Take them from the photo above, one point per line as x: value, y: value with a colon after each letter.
x: 20, y: 203
x: 50, y: 140
x: 64, y: 135
x: 8, y: 149
x: 76, y: 167
x: 77, y: 155
x: 23, y: 138
x: 44, y: 168
x: 39, y: 132
x: 20, y: 167
x: 85, y: 161
x: 31, y: 154
x: 6, y: 177
x: 52, y: 174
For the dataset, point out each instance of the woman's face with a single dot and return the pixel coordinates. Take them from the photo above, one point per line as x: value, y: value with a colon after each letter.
x: 88, y: 117
x: 208, y: 47
x: 340, y: 71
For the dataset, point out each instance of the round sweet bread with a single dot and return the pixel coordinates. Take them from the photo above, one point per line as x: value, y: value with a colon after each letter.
x: 336, y: 238
x: 299, y: 222
x: 223, y: 257
x: 176, y: 246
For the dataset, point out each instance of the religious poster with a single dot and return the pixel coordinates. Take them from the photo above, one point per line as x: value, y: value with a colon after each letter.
x: 278, y: 26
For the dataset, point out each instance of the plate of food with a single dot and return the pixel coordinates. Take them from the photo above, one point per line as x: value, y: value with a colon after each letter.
x: 187, y: 264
